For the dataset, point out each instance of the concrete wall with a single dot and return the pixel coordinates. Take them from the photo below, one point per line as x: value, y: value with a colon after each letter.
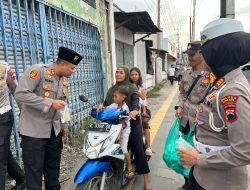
x: 140, y: 58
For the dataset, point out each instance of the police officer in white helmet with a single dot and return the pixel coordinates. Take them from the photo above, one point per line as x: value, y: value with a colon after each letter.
x: 222, y: 140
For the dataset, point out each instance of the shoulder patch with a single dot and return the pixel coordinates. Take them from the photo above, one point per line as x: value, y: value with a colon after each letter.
x: 34, y: 74
x: 230, y: 113
x: 229, y: 99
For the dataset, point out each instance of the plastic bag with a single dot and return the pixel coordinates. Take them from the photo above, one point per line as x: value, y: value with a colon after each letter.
x: 181, y: 143
x: 65, y: 115
x: 170, y: 155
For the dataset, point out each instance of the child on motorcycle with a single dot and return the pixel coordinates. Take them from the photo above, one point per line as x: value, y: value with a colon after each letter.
x: 120, y: 95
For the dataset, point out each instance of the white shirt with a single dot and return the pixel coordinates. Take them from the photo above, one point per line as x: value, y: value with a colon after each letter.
x: 126, y: 131
x: 171, y: 71
x: 141, y: 101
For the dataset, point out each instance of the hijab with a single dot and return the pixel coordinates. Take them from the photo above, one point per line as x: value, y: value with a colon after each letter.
x: 226, y: 53
x: 131, y: 88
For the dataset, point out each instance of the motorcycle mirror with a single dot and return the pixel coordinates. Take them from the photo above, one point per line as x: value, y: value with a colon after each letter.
x: 83, y: 98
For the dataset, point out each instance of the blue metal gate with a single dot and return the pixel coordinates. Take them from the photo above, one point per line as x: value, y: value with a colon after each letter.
x: 31, y: 32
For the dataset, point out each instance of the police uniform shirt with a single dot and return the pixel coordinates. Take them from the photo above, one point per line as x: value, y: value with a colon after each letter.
x: 225, y: 169
x: 190, y: 104
x: 36, y: 91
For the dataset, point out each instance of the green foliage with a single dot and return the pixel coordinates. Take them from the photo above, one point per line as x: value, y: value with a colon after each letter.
x: 80, y: 132
x: 152, y: 94
x: 154, y: 91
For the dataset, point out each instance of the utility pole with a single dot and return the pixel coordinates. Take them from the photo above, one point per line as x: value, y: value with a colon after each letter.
x: 158, y: 23
x: 178, y: 45
x: 227, y: 9
x: 193, y: 23
x: 178, y: 38
x: 190, y: 29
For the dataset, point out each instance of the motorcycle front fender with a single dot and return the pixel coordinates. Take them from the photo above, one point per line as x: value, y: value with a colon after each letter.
x: 89, y: 168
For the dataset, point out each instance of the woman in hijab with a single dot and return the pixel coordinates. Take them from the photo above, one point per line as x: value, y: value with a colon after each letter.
x: 135, y: 138
x: 222, y: 132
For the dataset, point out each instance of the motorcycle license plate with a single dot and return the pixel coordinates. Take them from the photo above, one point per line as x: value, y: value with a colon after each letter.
x: 100, y: 127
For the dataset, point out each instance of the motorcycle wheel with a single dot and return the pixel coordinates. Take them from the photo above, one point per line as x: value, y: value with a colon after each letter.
x: 93, y: 183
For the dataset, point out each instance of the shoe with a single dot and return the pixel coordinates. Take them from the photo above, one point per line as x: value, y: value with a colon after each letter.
x: 130, y: 174
x: 147, y: 188
x: 149, y: 152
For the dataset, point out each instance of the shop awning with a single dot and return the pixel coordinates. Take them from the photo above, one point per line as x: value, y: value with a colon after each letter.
x: 137, y: 22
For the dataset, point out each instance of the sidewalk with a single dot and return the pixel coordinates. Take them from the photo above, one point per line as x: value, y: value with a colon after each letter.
x: 161, y: 176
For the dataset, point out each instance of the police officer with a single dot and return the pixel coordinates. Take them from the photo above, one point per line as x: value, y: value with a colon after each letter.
x: 42, y: 92
x: 192, y: 88
x: 7, y: 161
x: 222, y: 134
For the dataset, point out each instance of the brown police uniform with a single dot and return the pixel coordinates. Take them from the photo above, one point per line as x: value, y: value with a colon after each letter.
x: 36, y: 91
x: 190, y: 104
x: 40, y: 124
x: 222, y: 135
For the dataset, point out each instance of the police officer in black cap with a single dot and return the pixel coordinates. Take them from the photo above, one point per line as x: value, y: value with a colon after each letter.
x: 42, y: 92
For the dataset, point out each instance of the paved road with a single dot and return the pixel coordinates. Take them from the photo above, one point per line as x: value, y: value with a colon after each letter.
x: 162, y: 177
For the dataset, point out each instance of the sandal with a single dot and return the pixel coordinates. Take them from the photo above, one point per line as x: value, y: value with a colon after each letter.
x: 130, y: 174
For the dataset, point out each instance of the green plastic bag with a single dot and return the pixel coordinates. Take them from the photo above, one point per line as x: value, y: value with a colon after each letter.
x: 170, y: 155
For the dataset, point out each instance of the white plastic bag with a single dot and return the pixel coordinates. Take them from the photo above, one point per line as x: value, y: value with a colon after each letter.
x: 65, y: 114
x: 181, y: 143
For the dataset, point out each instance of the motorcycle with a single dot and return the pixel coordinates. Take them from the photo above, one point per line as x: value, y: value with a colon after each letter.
x: 105, y: 167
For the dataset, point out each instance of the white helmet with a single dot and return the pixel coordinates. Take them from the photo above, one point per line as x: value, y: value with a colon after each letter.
x: 220, y: 27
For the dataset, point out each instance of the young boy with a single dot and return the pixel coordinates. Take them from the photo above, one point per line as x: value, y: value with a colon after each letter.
x: 120, y: 95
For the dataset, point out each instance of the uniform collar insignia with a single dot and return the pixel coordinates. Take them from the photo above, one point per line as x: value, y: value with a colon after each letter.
x: 219, y: 83
x: 212, y: 77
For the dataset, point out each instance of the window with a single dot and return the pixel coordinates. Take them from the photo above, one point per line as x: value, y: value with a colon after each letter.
x: 92, y: 3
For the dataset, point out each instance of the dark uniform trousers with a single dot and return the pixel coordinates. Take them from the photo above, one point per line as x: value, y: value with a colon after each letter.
x: 6, y: 121
x: 42, y: 156
x: 192, y: 183
x: 7, y: 161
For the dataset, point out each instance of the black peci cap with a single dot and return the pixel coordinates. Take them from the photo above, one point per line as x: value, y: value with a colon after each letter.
x: 193, y: 47
x: 69, y: 55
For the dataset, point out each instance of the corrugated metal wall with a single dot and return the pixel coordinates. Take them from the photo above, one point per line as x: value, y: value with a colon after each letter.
x: 31, y: 32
